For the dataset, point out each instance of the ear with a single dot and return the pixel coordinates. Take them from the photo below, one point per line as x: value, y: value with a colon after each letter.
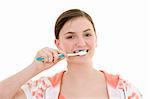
x: 57, y: 43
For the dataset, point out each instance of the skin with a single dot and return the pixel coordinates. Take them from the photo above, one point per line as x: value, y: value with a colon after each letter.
x: 77, y: 34
x: 80, y: 81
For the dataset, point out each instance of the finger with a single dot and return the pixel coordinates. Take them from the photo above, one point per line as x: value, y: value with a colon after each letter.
x: 49, y: 55
x: 42, y: 54
x: 55, y: 55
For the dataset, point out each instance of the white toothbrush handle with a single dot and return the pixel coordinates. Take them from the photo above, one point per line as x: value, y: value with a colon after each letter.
x: 73, y: 54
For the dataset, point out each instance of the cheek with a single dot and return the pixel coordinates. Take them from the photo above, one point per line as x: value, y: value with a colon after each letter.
x: 66, y: 46
x: 93, y: 43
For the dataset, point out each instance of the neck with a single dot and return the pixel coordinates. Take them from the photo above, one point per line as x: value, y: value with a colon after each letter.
x: 78, y: 71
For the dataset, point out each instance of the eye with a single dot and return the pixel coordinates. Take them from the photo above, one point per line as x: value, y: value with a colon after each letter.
x: 69, y: 37
x: 88, y: 34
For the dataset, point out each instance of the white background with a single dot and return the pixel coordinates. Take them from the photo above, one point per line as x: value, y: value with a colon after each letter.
x: 123, y: 29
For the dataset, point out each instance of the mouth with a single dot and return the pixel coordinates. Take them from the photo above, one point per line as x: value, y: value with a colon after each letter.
x: 77, y: 51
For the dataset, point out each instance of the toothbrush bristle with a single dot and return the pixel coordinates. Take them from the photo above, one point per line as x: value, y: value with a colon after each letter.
x: 82, y: 52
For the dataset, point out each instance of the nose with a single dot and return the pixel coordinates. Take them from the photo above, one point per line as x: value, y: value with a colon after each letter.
x: 81, y: 42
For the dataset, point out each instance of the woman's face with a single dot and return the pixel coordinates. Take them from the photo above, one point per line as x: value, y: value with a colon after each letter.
x: 77, y: 34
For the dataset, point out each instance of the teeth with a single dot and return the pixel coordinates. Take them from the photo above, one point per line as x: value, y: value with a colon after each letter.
x: 79, y: 51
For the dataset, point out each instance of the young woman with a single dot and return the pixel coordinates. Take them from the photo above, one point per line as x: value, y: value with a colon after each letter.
x: 74, y: 32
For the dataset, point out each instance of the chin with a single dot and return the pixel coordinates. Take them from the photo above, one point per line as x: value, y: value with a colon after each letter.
x: 81, y: 59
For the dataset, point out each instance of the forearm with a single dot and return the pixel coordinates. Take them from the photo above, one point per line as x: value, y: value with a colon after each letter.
x: 11, y: 85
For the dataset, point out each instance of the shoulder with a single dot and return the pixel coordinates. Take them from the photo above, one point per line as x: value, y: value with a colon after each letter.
x: 129, y: 89
x: 37, y: 88
x: 46, y: 82
x: 118, y: 83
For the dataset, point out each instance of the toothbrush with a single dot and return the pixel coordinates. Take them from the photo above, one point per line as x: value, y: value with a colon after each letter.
x: 79, y: 53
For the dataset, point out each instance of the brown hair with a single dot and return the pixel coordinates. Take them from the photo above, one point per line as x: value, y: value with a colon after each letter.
x: 68, y: 15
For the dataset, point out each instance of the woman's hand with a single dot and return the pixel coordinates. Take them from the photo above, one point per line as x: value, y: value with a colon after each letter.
x: 50, y: 58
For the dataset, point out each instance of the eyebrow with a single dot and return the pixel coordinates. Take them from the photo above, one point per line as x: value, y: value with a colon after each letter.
x: 74, y: 32
x: 87, y: 30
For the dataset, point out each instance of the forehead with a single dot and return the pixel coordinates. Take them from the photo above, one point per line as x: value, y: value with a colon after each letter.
x: 78, y: 24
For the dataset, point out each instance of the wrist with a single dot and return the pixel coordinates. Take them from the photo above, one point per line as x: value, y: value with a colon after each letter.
x: 36, y: 67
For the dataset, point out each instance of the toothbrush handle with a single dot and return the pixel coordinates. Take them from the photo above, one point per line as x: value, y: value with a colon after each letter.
x: 42, y: 59
x: 61, y: 55
x: 39, y: 59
